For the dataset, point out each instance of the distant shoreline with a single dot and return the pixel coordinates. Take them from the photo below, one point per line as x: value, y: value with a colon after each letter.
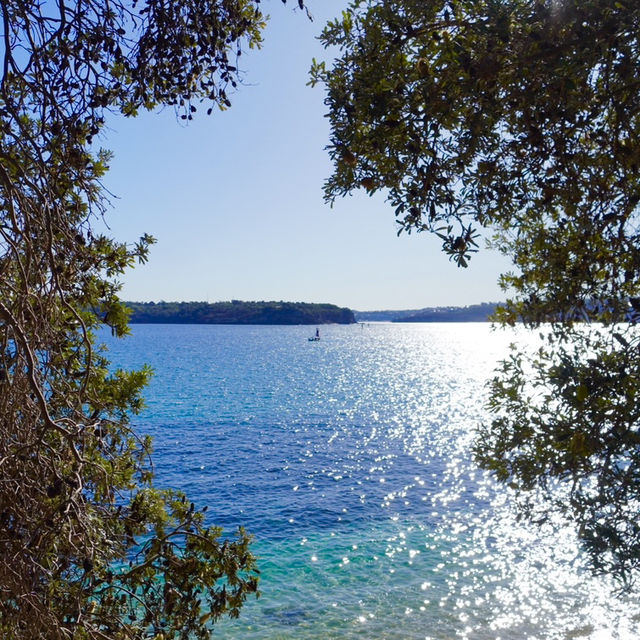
x: 472, y: 313
x: 240, y: 312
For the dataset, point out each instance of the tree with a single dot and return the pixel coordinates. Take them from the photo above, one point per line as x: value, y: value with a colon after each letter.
x: 90, y: 549
x: 522, y: 118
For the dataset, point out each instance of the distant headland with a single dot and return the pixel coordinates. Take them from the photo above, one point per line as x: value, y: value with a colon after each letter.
x: 471, y: 313
x: 238, y: 312
x: 291, y: 313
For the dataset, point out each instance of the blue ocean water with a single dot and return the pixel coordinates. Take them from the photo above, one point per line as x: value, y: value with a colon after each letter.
x: 349, y: 460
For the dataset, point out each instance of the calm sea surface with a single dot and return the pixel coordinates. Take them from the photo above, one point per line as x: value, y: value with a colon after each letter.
x: 349, y: 459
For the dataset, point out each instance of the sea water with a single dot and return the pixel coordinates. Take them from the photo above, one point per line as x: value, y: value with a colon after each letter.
x: 349, y: 460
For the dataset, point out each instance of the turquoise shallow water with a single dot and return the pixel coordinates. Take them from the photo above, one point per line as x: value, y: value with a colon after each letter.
x: 348, y: 458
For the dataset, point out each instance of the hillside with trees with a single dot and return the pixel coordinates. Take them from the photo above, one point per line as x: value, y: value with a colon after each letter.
x: 238, y: 312
x: 471, y: 313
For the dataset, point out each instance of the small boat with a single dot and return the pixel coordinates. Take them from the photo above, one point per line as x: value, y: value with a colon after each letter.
x: 316, y: 337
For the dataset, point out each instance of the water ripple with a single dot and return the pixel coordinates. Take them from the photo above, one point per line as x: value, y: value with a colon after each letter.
x: 349, y: 459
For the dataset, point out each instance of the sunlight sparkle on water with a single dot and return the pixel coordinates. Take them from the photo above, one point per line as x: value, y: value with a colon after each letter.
x: 350, y: 460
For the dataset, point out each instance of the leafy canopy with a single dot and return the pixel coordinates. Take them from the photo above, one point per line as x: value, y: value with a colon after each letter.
x: 521, y: 117
x: 90, y: 550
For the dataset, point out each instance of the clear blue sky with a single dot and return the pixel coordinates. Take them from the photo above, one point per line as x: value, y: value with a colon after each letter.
x: 235, y: 199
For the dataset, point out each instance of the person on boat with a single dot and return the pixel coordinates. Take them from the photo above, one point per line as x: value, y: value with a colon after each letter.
x: 317, y: 332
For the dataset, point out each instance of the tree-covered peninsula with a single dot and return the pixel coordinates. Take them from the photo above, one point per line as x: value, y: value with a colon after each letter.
x: 238, y: 312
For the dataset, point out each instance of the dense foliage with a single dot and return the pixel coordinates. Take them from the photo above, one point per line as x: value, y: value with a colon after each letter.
x: 238, y: 312
x: 89, y: 549
x: 521, y: 117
